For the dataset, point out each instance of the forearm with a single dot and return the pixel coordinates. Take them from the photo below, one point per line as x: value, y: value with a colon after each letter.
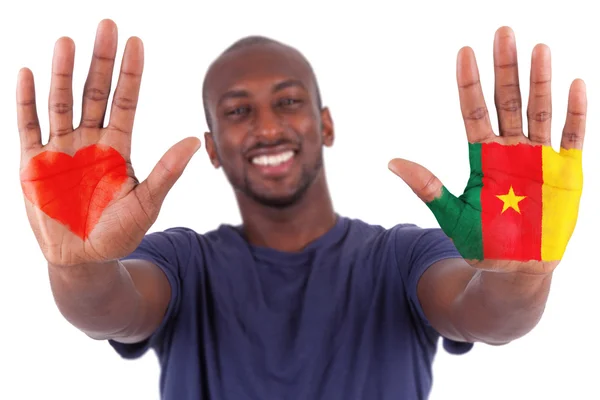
x: 498, y: 307
x: 99, y: 299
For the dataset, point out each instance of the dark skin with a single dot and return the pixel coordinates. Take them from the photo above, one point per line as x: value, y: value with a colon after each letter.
x: 497, y: 301
x: 461, y: 302
x: 260, y: 96
x: 271, y: 105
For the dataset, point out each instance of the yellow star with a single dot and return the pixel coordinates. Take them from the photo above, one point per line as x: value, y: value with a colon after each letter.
x: 511, y: 200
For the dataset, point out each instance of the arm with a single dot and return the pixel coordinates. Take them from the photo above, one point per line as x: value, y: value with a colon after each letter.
x: 466, y: 304
x: 511, y: 242
x: 124, y: 301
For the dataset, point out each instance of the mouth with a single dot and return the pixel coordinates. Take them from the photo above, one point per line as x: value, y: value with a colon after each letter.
x: 274, y: 164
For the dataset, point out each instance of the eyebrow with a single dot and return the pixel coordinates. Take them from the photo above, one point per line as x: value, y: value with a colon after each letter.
x: 236, y: 94
x: 233, y: 94
x: 288, y: 83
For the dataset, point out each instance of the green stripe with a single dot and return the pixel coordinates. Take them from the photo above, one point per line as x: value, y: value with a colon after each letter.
x: 460, y: 217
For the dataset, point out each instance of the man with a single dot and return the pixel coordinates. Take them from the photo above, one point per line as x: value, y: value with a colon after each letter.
x: 298, y: 302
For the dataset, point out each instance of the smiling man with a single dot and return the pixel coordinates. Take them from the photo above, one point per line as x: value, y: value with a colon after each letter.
x: 298, y: 302
x: 277, y: 166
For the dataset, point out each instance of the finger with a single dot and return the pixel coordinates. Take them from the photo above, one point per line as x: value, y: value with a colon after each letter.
x: 455, y: 217
x: 472, y: 104
x: 574, y: 129
x: 163, y: 176
x: 539, y: 108
x: 128, y: 87
x: 97, y: 85
x: 27, y: 119
x: 446, y: 207
x: 60, y: 104
x: 422, y: 182
x: 507, y: 90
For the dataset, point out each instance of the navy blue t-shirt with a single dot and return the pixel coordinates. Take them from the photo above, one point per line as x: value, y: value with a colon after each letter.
x: 337, y: 320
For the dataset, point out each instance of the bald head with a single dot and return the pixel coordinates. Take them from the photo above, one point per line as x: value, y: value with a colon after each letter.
x: 251, y: 41
x: 245, y: 47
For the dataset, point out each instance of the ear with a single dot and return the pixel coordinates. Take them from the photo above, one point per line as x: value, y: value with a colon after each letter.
x: 211, y: 149
x: 327, y: 127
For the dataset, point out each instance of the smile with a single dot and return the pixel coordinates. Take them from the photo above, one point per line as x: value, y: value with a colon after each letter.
x: 275, y: 165
x: 273, y: 160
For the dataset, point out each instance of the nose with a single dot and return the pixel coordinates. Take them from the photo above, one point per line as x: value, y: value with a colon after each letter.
x: 268, y: 124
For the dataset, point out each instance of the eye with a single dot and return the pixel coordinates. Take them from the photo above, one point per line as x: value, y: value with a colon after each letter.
x: 289, y: 102
x: 238, y: 111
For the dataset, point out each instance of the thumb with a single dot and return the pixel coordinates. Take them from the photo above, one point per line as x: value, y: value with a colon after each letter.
x: 446, y: 207
x: 167, y: 171
x: 422, y: 182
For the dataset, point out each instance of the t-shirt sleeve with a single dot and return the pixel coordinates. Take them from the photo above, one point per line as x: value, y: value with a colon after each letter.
x: 416, y: 250
x: 170, y: 251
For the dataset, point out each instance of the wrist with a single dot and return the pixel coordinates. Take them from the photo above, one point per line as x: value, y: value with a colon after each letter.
x: 86, y: 275
x: 512, y: 290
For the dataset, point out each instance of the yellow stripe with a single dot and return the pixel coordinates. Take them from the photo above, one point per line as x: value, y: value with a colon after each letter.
x: 561, y: 191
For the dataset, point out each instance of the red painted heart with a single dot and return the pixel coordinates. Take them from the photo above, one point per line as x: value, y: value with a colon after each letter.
x: 75, y: 190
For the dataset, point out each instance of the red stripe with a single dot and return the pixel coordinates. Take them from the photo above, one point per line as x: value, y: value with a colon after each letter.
x: 510, y: 235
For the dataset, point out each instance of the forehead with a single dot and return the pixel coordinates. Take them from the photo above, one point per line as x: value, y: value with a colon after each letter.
x: 254, y: 68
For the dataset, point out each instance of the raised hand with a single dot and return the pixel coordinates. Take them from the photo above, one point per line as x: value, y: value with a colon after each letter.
x: 83, y: 200
x: 521, y: 202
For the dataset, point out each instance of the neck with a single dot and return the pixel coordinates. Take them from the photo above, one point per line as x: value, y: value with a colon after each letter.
x: 291, y: 228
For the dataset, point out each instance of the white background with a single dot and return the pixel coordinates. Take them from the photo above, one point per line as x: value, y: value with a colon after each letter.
x: 388, y: 75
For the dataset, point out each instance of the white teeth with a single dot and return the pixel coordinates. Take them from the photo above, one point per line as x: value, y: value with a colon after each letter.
x: 274, y: 159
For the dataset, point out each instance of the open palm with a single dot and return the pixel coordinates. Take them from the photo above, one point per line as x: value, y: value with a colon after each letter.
x: 521, y: 202
x: 83, y: 200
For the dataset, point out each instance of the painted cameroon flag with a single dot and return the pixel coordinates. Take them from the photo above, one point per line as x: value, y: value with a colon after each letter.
x: 521, y: 203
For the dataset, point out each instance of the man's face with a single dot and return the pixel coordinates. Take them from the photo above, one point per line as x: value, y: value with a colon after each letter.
x: 267, y: 128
